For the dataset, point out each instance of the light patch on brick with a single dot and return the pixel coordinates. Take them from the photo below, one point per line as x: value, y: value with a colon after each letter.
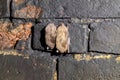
x: 26, y: 57
x: 10, y: 52
x: 55, y: 75
x: 86, y: 20
x: 102, y: 57
x: 87, y: 57
x: 76, y: 20
x: 29, y: 11
x: 117, y: 59
x: 98, y: 20
x: 78, y: 57
x: 13, y: 53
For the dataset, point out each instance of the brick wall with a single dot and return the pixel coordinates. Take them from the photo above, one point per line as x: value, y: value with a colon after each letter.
x: 93, y: 28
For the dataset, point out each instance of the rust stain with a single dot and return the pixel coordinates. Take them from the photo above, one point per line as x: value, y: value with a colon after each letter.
x: 23, y: 31
x: 18, y: 2
x: 50, y: 35
x: 87, y: 57
x: 29, y: 11
x: 8, y: 38
x: 62, y: 39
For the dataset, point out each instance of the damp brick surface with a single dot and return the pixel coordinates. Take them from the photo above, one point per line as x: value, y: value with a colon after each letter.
x: 94, y: 69
x: 82, y: 44
x: 29, y: 68
x: 105, y: 36
x: 4, y: 8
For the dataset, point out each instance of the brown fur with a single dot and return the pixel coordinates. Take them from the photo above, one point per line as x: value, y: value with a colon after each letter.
x: 62, y: 39
x: 50, y: 35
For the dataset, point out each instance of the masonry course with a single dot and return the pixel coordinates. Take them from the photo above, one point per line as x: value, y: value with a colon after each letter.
x: 92, y: 69
x: 78, y: 34
x: 94, y: 32
x: 71, y: 8
x: 31, y: 68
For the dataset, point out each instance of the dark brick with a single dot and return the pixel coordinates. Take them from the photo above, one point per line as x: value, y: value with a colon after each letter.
x: 32, y: 68
x: 5, y: 8
x: 80, y: 8
x: 78, y: 34
x: 95, y: 69
x: 78, y: 38
x: 71, y: 8
x: 105, y: 37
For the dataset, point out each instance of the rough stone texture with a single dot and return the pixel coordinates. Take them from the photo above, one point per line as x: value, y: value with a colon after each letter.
x: 78, y: 38
x: 5, y: 8
x: 87, y: 8
x: 95, y: 69
x: 80, y: 8
x: 31, y: 68
x: 25, y: 9
x: 78, y: 34
x: 105, y: 36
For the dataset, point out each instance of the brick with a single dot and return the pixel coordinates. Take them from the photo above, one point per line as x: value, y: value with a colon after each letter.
x: 32, y: 68
x: 80, y: 8
x: 105, y: 36
x: 77, y: 33
x: 5, y: 8
x: 25, y: 9
x: 78, y: 38
x: 94, y: 69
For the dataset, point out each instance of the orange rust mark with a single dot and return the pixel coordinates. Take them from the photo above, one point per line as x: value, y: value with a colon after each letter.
x: 18, y: 2
x: 29, y: 11
x: 8, y: 38
x: 23, y: 31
